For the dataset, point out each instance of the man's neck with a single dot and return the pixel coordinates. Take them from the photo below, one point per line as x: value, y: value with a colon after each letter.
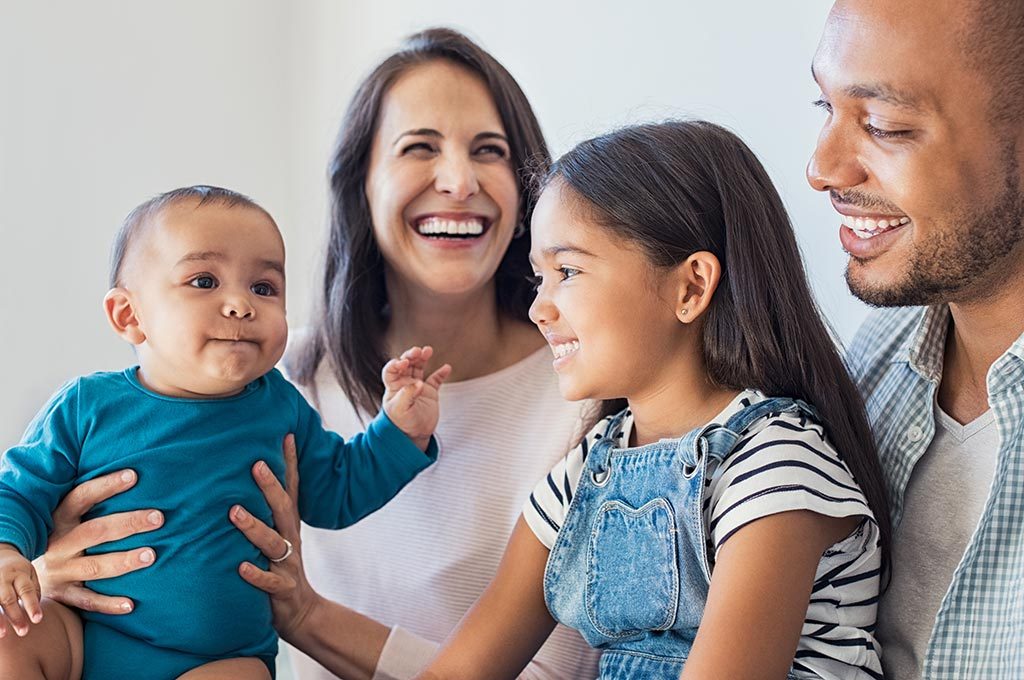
x: 979, y: 333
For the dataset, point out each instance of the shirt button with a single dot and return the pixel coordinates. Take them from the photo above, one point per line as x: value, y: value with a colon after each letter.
x: 915, y: 434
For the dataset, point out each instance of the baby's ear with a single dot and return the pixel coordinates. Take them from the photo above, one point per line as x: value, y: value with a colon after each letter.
x: 120, y: 309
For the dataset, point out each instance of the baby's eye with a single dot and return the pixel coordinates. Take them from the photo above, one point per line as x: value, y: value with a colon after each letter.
x: 203, y: 281
x: 264, y: 289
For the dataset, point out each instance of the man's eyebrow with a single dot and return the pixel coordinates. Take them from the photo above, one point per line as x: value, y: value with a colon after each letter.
x: 882, y: 92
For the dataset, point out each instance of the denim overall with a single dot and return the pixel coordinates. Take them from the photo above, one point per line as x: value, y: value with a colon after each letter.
x: 630, y: 567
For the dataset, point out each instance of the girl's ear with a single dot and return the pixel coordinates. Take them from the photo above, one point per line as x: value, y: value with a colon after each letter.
x: 698, y: 279
x: 121, y: 314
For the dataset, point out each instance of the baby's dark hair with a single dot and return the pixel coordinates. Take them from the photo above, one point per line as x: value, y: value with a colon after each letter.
x: 144, y: 213
x: 680, y: 187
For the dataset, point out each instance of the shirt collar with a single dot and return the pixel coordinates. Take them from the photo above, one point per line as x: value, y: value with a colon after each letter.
x: 925, y: 347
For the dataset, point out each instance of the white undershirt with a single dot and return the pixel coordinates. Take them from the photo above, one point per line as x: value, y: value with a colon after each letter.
x: 942, y: 505
x: 422, y: 560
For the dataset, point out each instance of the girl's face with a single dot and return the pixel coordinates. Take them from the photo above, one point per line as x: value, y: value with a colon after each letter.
x: 440, y: 186
x: 607, y: 313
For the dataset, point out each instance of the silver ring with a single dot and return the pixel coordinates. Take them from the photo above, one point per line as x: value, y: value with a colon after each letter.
x: 287, y: 552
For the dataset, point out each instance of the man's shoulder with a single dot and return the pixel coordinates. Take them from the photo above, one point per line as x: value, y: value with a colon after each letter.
x: 884, y: 336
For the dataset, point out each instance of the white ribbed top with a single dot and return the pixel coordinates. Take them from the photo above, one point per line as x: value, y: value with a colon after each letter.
x: 422, y: 560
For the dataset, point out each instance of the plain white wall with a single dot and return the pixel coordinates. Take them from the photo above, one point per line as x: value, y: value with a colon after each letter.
x: 106, y: 103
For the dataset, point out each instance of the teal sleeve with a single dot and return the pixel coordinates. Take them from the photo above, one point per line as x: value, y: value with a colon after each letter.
x: 340, y: 482
x: 37, y: 473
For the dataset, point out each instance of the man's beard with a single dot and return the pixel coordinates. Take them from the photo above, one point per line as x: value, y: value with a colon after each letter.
x: 970, y: 254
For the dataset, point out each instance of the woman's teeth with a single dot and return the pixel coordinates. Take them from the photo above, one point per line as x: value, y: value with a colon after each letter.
x: 565, y: 348
x: 865, y: 227
x: 441, y: 227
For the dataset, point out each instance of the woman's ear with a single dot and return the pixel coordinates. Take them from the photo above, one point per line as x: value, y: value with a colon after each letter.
x: 122, y: 316
x: 698, y: 279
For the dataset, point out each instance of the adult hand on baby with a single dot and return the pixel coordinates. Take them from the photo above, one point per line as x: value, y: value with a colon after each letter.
x: 411, y: 401
x: 19, y: 592
x: 291, y: 597
x: 64, y: 566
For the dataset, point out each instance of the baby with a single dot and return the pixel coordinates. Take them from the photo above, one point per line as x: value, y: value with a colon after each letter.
x: 198, y: 289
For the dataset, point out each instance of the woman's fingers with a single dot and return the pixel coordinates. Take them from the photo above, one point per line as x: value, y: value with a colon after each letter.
x: 291, y: 474
x: 269, y: 582
x: 81, y: 597
x: 270, y: 543
x: 107, y: 528
x: 87, y: 494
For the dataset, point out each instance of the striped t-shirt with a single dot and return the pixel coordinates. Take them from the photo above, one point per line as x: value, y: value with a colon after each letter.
x: 780, y: 463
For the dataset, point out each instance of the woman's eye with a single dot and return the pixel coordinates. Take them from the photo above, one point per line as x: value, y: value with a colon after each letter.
x: 203, y: 282
x: 419, y: 147
x: 492, y: 150
x: 263, y: 289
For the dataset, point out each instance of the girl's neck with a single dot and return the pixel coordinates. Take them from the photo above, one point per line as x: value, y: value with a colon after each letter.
x: 682, y: 399
x: 467, y: 331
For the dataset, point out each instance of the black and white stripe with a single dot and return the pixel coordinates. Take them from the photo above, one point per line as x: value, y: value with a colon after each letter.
x: 781, y: 463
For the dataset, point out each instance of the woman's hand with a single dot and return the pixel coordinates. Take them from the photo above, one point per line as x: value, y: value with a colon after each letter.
x: 291, y: 596
x: 64, y: 566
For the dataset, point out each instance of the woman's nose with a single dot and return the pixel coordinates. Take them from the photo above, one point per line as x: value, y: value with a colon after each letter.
x: 456, y: 177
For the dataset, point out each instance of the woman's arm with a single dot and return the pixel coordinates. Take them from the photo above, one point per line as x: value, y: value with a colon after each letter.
x: 345, y: 642
x: 760, y: 589
x: 508, y: 624
x: 64, y: 565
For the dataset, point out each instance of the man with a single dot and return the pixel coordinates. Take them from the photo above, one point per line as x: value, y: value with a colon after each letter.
x: 921, y: 154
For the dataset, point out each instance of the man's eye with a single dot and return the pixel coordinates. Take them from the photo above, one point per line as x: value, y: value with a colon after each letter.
x: 263, y: 289
x: 822, y: 104
x: 203, y: 282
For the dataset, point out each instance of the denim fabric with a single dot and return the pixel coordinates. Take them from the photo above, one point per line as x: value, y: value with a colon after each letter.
x: 630, y: 569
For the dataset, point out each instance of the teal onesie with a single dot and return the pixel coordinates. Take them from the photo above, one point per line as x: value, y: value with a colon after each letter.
x: 193, y: 458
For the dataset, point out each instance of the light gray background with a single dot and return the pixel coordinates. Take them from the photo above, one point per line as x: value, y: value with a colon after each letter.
x: 103, y: 104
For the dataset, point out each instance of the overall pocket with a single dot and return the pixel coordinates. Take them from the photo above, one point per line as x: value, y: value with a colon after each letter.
x: 632, y: 569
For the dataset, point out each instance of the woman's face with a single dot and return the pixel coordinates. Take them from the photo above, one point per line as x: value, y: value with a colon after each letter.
x: 441, y: 187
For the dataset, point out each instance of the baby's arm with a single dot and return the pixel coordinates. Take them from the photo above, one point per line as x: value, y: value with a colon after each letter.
x: 343, y: 481
x: 19, y: 592
x: 410, y: 400
x: 502, y: 632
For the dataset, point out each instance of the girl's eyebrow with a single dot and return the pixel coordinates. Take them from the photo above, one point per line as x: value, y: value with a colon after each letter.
x: 560, y: 248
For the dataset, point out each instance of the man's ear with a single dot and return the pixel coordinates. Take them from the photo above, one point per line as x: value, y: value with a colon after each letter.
x: 699, y: 276
x: 121, y: 314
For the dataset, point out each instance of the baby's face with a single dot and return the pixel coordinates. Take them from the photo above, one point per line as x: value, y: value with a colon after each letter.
x: 207, y: 286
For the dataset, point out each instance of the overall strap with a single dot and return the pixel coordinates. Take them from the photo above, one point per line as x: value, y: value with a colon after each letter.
x: 720, y: 440
x: 597, y: 458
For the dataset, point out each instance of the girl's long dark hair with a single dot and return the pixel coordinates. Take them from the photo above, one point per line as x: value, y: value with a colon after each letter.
x: 350, y: 320
x: 681, y: 187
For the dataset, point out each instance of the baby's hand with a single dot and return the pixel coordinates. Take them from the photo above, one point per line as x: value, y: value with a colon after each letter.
x: 410, y: 401
x: 18, y: 581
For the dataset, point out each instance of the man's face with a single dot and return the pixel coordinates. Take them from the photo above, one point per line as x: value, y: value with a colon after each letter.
x: 929, y: 190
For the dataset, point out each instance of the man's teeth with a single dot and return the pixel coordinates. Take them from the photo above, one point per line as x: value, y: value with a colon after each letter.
x: 565, y: 348
x: 436, y: 225
x: 865, y: 227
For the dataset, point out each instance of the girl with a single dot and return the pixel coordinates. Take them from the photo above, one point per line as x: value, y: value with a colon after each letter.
x: 726, y: 516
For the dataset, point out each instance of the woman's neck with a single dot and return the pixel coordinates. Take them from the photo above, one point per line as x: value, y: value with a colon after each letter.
x: 467, y: 331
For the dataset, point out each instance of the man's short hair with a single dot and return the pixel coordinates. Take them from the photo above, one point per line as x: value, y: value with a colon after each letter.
x: 993, y: 42
x: 143, y: 214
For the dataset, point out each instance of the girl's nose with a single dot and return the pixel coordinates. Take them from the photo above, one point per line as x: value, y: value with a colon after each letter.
x: 542, y: 311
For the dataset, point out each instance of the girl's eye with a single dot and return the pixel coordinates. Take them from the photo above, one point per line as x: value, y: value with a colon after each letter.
x: 568, y: 272
x: 203, y: 281
x: 264, y: 289
x: 535, y: 281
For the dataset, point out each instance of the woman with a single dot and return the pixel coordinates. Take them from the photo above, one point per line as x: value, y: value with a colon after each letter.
x: 428, y: 240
